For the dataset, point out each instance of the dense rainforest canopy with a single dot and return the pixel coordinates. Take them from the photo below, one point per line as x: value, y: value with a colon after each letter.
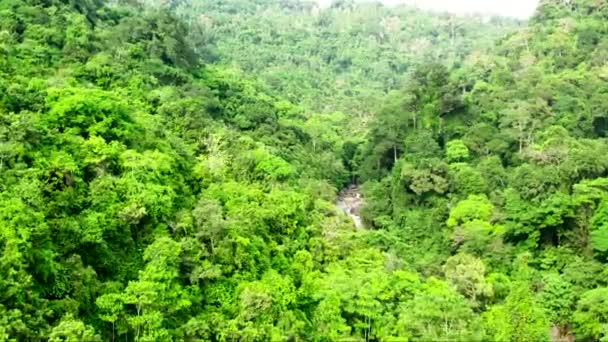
x: 168, y: 171
x: 342, y: 58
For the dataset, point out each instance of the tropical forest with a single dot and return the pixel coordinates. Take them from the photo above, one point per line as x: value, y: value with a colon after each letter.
x: 296, y: 170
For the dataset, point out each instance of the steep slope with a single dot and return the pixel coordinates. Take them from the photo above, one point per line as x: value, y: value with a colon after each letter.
x: 346, y: 57
x: 137, y: 186
x: 494, y: 175
x: 147, y: 197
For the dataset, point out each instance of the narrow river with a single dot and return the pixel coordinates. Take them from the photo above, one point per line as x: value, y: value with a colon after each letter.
x: 350, y: 202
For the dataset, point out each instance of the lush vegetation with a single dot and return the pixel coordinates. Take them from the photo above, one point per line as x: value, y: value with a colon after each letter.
x: 151, y: 191
x: 493, y: 175
x: 345, y: 57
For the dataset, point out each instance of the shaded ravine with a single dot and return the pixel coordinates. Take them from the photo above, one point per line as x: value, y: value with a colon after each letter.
x: 350, y: 202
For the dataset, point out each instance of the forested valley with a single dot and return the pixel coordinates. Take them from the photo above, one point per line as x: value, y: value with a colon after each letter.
x: 169, y: 172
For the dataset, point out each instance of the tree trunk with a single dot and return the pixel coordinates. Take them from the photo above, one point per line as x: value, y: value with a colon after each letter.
x: 453, y: 31
x: 521, y: 144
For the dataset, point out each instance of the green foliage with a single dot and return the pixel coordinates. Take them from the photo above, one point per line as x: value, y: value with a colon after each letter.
x: 599, y: 226
x: 519, y: 318
x: 134, y: 181
x: 70, y: 329
x: 590, y: 315
x: 467, y: 274
x: 557, y: 297
x: 495, y: 163
x: 152, y: 190
x: 439, y: 314
x: 334, y: 58
x: 473, y: 208
x: 456, y: 151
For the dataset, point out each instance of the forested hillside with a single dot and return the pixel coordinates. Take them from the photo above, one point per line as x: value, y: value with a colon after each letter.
x: 346, y: 57
x: 494, y: 176
x: 168, y: 172
x: 145, y: 196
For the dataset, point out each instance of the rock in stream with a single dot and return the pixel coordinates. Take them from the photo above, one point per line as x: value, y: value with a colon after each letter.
x: 350, y: 202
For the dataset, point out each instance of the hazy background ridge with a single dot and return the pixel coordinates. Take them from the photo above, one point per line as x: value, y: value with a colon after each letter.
x: 514, y: 8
